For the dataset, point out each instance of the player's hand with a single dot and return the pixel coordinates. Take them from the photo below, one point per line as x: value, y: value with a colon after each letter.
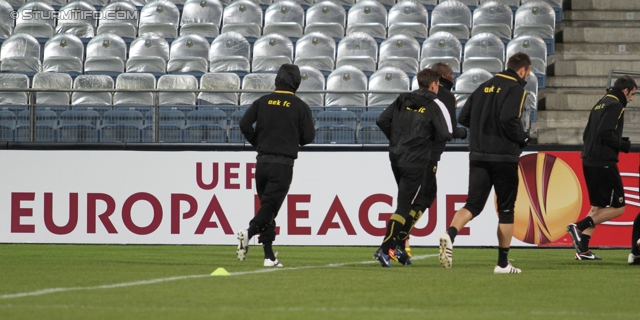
x: 524, y: 142
x: 625, y: 145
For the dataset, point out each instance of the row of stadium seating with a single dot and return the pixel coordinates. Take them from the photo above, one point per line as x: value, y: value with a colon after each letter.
x: 347, y: 78
x: 208, y: 18
x: 206, y: 125
x: 231, y: 52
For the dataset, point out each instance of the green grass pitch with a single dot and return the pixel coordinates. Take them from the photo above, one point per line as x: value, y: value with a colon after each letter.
x: 107, y: 282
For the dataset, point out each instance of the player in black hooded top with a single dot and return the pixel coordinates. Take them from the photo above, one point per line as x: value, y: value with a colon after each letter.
x: 283, y: 124
x: 431, y: 184
x: 412, y: 123
x: 602, y: 142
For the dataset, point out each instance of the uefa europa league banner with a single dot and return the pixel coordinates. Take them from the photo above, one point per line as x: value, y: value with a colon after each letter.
x: 336, y: 198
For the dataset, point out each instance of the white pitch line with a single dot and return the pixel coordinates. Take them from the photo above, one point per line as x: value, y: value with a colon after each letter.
x: 158, y: 280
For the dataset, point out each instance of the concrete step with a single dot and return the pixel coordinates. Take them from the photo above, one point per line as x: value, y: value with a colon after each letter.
x: 559, y: 135
x: 614, y: 5
x: 562, y: 119
x: 557, y: 99
x: 599, y: 24
x: 577, y: 82
x: 600, y: 15
x: 592, y: 68
x: 598, y: 35
x: 609, y: 51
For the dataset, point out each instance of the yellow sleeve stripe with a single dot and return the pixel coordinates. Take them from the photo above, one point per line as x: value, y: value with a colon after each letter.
x: 524, y: 96
x: 507, y: 77
x: 619, y: 116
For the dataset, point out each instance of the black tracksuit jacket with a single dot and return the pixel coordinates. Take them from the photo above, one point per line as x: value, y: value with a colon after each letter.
x: 283, y: 121
x: 492, y: 114
x: 603, y: 135
x: 450, y: 101
x: 413, y: 123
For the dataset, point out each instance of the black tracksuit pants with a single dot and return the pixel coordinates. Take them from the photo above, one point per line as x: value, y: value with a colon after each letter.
x: 272, y: 182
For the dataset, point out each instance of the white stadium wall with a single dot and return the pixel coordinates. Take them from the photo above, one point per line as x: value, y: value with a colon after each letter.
x: 150, y: 197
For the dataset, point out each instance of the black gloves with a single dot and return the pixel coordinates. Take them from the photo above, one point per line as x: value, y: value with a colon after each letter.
x: 625, y: 145
x: 460, y: 133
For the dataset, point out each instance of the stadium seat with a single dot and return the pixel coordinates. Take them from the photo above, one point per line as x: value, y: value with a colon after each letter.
x: 368, y: 16
x: 385, y: 79
x: 358, y: 49
x: 511, y: 3
x: 317, y: 50
x: 79, y: 126
x: 46, y: 126
x: 469, y: 82
x: 285, y: 17
x: 346, y: 78
x: 429, y: 4
x: 75, y: 18
x: 494, y: 17
x: 106, y: 54
x: 6, y: 25
x: 441, y: 47
x: 219, y: 81
x: 7, y: 124
x: 531, y: 102
x: 148, y: 53
x: 484, y: 51
x: 57, y: 101
x: 312, y: 79
x: 14, y: 99
x: 121, y: 126
x: 189, y: 54
x: 180, y: 82
x: 451, y: 16
x: 336, y: 126
x: 206, y: 125
x: 16, y: 3
x: 99, y: 101
x: 400, y: 51
x: 244, y: 17
x: 35, y: 24
x: 119, y: 18
x: 555, y: 4
x: 327, y: 17
x: 63, y: 53
x: 159, y: 18
x: 229, y: 53
x: 171, y: 124
x: 270, y: 52
x: 409, y: 18
x: 20, y: 53
x: 369, y: 132
x: 235, y: 135
x: 202, y: 17
x: 101, y: 3
x: 141, y: 101
x: 256, y: 81
x: 536, y: 18
x: 537, y: 51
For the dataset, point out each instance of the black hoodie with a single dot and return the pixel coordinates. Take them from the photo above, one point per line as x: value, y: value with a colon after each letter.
x: 603, y: 135
x: 492, y: 114
x: 283, y: 121
x: 449, y: 100
x: 413, y: 123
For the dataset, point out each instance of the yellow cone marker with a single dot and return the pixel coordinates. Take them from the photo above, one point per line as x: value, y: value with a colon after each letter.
x: 220, y: 272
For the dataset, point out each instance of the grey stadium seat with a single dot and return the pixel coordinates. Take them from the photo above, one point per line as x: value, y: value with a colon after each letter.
x: 37, y: 25
x: 14, y: 81
x: 409, y: 18
x: 134, y: 81
x: 79, y: 126
x: 206, y: 126
x: 493, y: 17
x: 177, y: 81
x: 92, y: 98
x: 485, y: 51
x: 468, y: 82
x: 120, y: 18
x: 160, y: 18
x: 535, y: 18
x: 358, y: 49
x: 285, y: 17
x: 387, y: 78
x: 106, y: 53
x: 368, y: 16
x: 336, y: 126
x: 203, y: 17
x: 148, y: 53
x: 346, y: 78
x: 20, y: 53
x: 63, y: 53
x: 317, y: 50
x: 219, y: 81
x: 256, y: 81
x: 229, y: 52
x: 244, y: 17
x: 121, y: 126
x: 451, y: 16
x: 6, y: 25
x: 534, y: 47
x: 80, y: 25
x: 271, y: 51
x: 52, y: 80
x: 369, y: 132
x: 312, y: 79
x: 441, y: 47
x: 46, y: 126
x: 400, y: 51
x: 189, y: 53
x: 327, y: 17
